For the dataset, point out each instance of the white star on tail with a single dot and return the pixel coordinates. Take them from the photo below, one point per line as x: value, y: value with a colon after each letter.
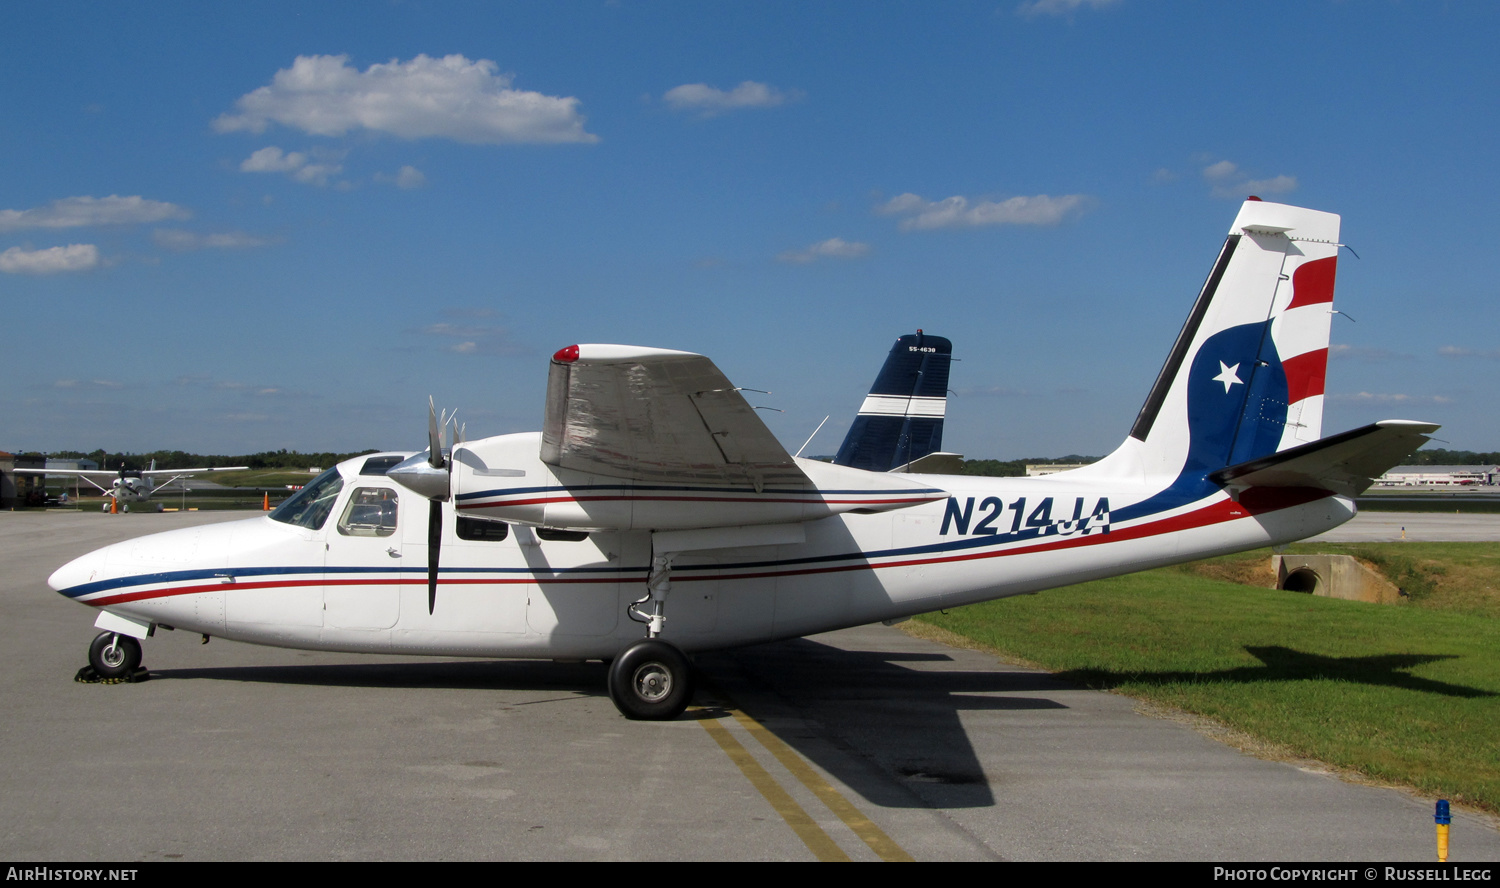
x: 1228, y: 377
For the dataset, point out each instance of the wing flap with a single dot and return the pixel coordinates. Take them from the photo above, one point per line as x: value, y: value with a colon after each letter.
x: 657, y: 415
x: 1347, y: 463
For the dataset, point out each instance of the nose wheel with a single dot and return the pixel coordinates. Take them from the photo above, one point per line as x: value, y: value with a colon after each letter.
x: 651, y: 681
x: 114, y: 655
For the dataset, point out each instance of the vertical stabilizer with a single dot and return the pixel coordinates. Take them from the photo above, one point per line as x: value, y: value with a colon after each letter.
x: 901, y: 419
x: 1245, y: 376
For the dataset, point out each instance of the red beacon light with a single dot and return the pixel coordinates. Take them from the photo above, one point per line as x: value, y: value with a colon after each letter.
x: 566, y: 355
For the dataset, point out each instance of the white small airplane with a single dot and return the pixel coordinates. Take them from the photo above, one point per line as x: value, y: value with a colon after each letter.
x: 128, y: 486
x: 655, y: 515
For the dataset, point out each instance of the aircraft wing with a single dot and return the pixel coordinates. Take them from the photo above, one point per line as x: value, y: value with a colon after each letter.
x: 86, y: 474
x: 1347, y: 463
x: 657, y: 415
x: 111, y: 474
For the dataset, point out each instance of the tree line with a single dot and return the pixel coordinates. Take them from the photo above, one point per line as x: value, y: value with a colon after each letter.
x: 177, y: 459
x: 1437, y: 456
x: 293, y: 459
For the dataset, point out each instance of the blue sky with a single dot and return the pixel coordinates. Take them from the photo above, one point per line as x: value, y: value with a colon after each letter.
x: 230, y: 228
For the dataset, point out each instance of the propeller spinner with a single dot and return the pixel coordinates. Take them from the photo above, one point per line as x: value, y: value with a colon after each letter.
x: 430, y: 475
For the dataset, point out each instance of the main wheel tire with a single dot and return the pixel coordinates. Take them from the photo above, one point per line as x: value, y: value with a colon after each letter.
x: 651, y: 681
x: 113, y: 655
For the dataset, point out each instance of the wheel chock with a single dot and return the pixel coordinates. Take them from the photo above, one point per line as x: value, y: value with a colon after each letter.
x: 87, y: 675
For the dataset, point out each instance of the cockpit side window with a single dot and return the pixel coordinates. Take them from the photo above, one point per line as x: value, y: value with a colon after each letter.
x: 309, y: 507
x: 371, y: 513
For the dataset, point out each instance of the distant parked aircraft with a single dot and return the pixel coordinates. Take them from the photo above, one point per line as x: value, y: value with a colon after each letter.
x: 127, y: 486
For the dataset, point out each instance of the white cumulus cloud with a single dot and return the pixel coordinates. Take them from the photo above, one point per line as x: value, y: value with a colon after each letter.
x: 1391, y: 398
x: 408, y: 177
x: 833, y: 248
x: 1458, y: 351
x: 273, y: 160
x: 440, y: 98
x: 79, y: 212
x: 1229, y: 181
x: 961, y: 212
x: 186, y: 241
x: 299, y: 166
x: 468, y: 339
x: 96, y: 383
x: 53, y: 260
x: 707, y: 100
x: 1369, y: 354
x: 1037, y: 8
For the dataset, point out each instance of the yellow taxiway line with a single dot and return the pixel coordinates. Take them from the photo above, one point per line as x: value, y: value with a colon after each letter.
x: 817, y: 840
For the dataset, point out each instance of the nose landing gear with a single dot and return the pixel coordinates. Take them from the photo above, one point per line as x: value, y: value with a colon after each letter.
x: 113, y: 656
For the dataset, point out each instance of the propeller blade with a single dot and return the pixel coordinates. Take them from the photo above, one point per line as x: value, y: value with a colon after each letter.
x: 434, y: 437
x: 434, y: 542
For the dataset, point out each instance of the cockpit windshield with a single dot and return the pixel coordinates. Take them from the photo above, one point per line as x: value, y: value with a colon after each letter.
x: 309, y: 507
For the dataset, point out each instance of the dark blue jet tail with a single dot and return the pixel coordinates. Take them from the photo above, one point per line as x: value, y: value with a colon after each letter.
x: 901, y: 420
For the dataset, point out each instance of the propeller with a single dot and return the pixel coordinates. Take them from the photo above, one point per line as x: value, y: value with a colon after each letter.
x: 430, y: 474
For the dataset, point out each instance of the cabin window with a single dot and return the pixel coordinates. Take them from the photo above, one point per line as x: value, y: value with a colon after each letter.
x: 479, y: 529
x: 552, y: 533
x: 309, y: 507
x: 371, y: 513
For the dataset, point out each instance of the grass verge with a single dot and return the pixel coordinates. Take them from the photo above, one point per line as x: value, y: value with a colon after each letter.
x: 1402, y: 694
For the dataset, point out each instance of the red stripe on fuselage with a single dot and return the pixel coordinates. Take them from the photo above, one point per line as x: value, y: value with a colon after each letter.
x: 810, y: 501
x: 1214, y: 513
x: 286, y: 584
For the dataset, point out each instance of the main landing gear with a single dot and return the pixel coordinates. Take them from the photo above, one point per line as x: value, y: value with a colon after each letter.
x: 114, y: 656
x: 651, y: 681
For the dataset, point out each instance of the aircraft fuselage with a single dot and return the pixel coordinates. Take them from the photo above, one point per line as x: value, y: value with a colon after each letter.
x: 358, y: 582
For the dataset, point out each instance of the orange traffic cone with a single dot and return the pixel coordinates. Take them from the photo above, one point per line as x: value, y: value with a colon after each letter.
x: 114, y: 506
x: 265, y: 504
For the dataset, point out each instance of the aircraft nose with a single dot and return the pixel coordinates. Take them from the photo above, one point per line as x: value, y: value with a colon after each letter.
x: 81, y: 570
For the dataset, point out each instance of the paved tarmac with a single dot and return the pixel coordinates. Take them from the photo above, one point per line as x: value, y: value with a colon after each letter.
x: 866, y: 743
x: 1429, y: 527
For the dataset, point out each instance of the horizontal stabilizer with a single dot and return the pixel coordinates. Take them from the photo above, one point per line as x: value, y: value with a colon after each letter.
x: 1346, y: 464
x: 939, y: 463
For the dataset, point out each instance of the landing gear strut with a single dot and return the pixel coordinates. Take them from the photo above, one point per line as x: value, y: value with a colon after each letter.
x: 651, y: 681
x: 114, y: 655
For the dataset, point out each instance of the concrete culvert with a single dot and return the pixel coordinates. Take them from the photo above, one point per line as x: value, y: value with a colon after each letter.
x: 1303, y: 580
x: 1333, y: 576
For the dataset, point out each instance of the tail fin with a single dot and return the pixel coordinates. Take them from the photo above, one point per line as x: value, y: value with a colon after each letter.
x: 1245, y: 377
x: 901, y: 420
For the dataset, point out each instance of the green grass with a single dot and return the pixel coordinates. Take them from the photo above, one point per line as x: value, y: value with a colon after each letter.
x: 1405, y: 694
x: 1459, y: 578
x: 258, y: 478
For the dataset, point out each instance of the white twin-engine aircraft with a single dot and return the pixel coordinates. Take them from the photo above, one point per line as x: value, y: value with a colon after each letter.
x: 128, y: 485
x: 655, y: 515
